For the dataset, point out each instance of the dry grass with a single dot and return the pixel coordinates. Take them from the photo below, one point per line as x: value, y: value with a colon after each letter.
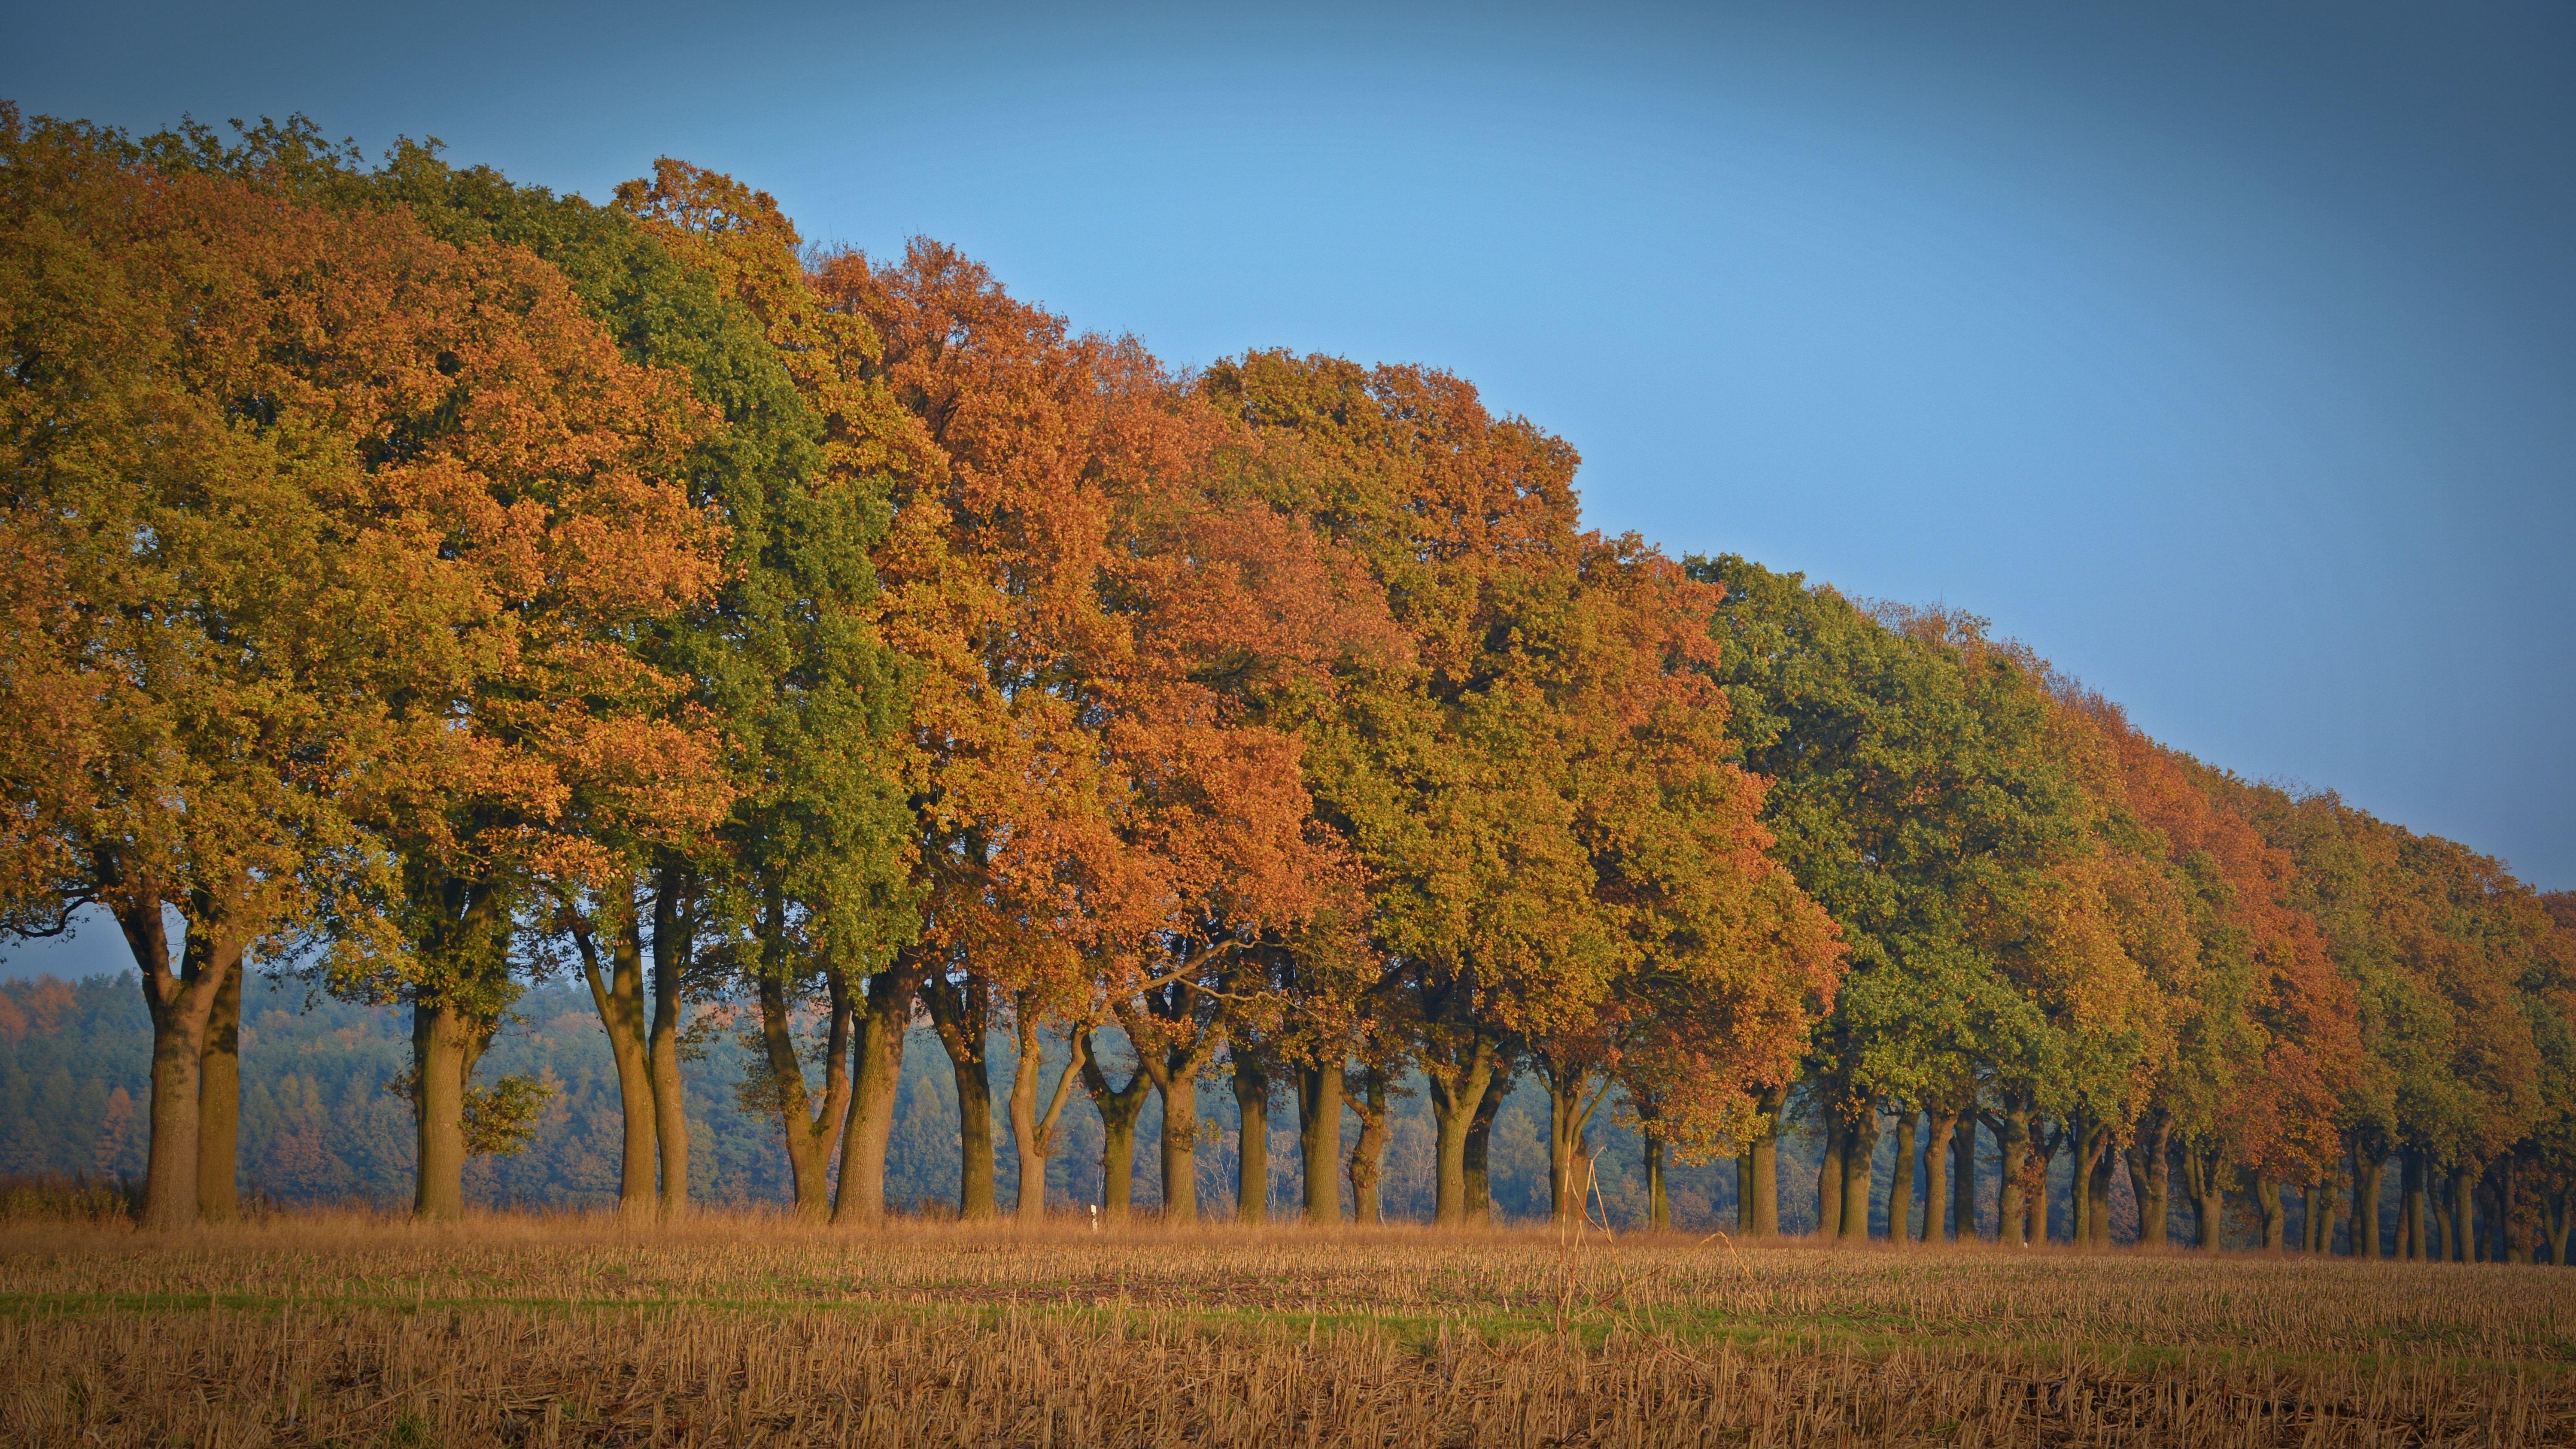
x: 356, y: 1330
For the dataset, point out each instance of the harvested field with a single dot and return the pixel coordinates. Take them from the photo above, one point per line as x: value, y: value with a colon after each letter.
x: 754, y: 1330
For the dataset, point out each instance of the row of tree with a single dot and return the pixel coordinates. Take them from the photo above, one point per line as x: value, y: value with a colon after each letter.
x: 433, y: 583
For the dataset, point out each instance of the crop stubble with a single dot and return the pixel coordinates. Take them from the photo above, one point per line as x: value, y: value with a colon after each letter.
x: 349, y: 1329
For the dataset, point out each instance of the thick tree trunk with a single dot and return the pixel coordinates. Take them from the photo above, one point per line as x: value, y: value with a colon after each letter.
x: 1479, y: 1160
x: 1900, y: 1185
x: 2208, y: 1197
x: 2368, y: 1172
x: 1180, y: 1142
x: 2012, y: 1225
x: 1936, y: 1178
x: 2155, y: 1184
x: 1763, y: 1157
x: 1368, y: 1154
x: 1457, y: 1093
x: 1860, y: 1158
x: 1744, y: 1191
x: 961, y: 1014
x: 1569, y: 1148
x: 1830, y: 1173
x: 618, y: 995
x: 2510, y: 1240
x: 1119, y: 1106
x: 2267, y: 1197
x: 180, y: 1005
x: 219, y: 1105
x: 1319, y: 1142
x: 2556, y: 1204
x: 445, y: 1044
x: 1252, y: 1142
x: 1659, y: 1203
x: 671, y: 932
x: 884, y: 1013
x: 809, y: 1133
x: 1963, y: 1178
x: 1033, y: 1133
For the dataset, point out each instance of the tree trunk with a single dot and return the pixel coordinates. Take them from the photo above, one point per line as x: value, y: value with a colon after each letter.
x: 2368, y: 1173
x: 2555, y: 1203
x: 1860, y: 1159
x: 2463, y: 1216
x: 671, y: 939
x: 2412, y: 1233
x: 444, y: 1046
x: 1900, y: 1186
x: 2513, y: 1243
x: 2155, y: 1200
x: 1252, y: 1142
x: 618, y: 995
x: 1368, y: 1155
x: 884, y: 1013
x: 1659, y: 1204
x: 809, y: 1133
x: 1936, y: 1177
x: 2267, y: 1197
x: 219, y: 1105
x: 180, y: 1005
x: 1180, y: 1141
x: 2012, y: 1225
x: 1032, y: 1134
x: 1119, y: 1106
x: 1830, y: 1173
x: 1963, y: 1177
x: 2097, y: 1192
x: 1319, y: 1141
x: 1764, y: 1158
x: 961, y: 1015
x: 1457, y: 1094
x: 2208, y: 1196
x: 1744, y: 1191
x: 1569, y: 1150
x: 1480, y: 1149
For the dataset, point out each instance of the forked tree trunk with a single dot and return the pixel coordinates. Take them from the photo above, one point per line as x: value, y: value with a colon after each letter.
x: 1033, y: 1133
x: 2267, y: 1197
x: 1900, y: 1184
x: 219, y: 1105
x: 671, y: 932
x: 1319, y: 1142
x: 2208, y: 1196
x: 1480, y: 1149
x: 1119, y: 1106
x: 961, y: 1014
x: 618, y: 994
x: 1252, y: 1142
x: 1936, y: 1177
x: 809, y: 1132
x: 1457, y: 1092
x: 180, y: 1005
x: 1570, y: 1104
x: 1368, y: 1154
x: 884, y: 1013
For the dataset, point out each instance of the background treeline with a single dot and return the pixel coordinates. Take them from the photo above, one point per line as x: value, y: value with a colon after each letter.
x: 435, y: 587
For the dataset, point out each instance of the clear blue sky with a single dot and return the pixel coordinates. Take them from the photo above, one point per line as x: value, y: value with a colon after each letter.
x: 2226, y: 354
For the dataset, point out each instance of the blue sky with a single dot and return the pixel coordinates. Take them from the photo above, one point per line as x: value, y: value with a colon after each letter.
x: 2225, y: 354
